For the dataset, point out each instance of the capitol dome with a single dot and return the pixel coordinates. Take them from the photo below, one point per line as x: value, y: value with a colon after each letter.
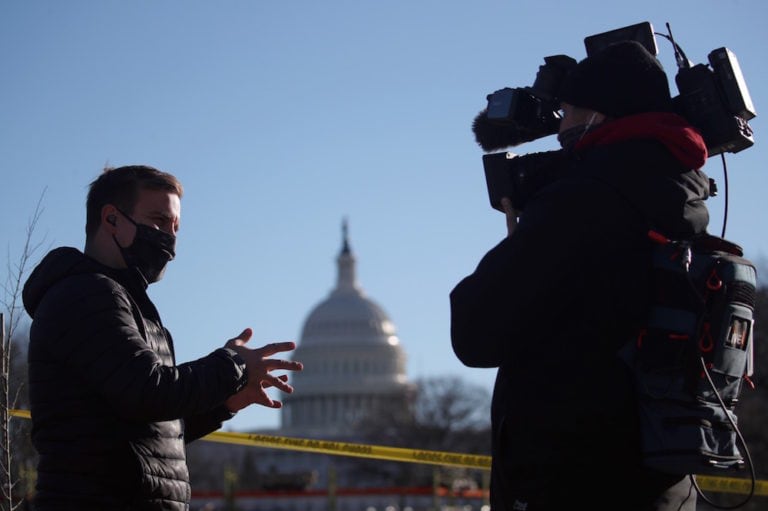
x: 353, y: 361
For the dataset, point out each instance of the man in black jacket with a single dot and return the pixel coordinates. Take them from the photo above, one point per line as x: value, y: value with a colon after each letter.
x: 551, y: 305
x: 111, y: 409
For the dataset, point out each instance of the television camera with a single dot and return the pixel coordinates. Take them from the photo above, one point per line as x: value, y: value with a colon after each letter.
x: 713, y: 97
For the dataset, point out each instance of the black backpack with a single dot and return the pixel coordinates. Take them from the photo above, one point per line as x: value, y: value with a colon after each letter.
x: 694, y: 356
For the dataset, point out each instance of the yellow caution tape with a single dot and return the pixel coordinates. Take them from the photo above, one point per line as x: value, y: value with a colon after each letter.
x: 24, y: 414
x: 731, y: 485
x: 350, y: 449
x: 707, y: 483
x: 341, y: 448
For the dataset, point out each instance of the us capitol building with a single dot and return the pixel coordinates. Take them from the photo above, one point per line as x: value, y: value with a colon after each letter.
x: 353, y: 364
x: 353, y: 361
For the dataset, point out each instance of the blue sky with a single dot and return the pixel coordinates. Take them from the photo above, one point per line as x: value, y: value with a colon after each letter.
x: 282, y: 118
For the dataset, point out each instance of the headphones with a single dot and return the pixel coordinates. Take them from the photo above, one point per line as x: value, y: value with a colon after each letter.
x: 112, y: 220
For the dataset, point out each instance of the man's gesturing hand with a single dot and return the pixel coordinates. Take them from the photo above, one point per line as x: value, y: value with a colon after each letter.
x: 259, y: 366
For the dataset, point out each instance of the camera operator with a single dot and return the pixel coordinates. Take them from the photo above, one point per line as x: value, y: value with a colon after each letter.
x: 552, y: 304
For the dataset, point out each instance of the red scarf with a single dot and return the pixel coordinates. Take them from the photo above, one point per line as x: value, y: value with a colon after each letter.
x: 683, y: 140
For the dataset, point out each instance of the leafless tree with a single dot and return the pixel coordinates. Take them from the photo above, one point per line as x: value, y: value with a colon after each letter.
x: 10, y: 317
x: 444, y: 414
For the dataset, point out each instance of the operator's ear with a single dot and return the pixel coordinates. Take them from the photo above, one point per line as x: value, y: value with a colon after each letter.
x: 109, y: 218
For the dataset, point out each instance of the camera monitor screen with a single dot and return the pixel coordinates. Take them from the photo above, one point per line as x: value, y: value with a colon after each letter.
x: 640, y: 32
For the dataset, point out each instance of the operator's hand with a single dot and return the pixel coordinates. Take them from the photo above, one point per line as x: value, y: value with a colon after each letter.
x: 511, y: 213
x: 259, y: 368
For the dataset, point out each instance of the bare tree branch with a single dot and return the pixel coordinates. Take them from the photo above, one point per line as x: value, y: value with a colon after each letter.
x: 11, y: 301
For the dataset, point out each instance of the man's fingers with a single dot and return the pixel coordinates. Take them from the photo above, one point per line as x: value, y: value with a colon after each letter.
x: 278, y: 383
x: 241, y: 339
x: 272, y: 364
x: 245, y: 335
x: 282, y: 377
x: 276, y: 347
x: 273, y: 404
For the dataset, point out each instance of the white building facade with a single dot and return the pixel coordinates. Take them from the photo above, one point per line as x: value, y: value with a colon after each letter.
x: 353, y: 361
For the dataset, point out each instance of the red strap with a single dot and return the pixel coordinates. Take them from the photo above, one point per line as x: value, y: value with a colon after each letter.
x: 714, y: 282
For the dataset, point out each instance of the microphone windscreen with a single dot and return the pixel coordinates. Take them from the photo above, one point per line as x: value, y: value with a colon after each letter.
x: 492, y: 136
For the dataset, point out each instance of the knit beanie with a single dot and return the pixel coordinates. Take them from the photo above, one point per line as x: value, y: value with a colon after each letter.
x: 622, y: 79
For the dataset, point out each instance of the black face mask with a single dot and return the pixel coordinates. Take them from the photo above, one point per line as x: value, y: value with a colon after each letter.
x: 569, y: 137
x: 150, y: 251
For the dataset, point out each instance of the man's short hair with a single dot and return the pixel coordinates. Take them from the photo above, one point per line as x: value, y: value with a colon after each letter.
x: 120, y: 186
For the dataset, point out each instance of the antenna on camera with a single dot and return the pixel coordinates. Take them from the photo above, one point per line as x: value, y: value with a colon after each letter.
x: 680, y: 58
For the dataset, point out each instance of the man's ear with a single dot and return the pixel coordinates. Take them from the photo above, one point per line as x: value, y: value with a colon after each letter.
x: 109, y: 215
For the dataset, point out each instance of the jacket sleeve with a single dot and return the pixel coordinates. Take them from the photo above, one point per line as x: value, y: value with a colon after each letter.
x: 98, y: 340
x: 197, y: 426
x: 527, y: 282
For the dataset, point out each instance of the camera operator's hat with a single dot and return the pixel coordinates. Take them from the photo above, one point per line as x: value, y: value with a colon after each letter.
x: 622, y: 79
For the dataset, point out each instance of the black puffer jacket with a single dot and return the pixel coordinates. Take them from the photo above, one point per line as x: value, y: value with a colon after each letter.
x: 111, y: 411
x: 551, y: 305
